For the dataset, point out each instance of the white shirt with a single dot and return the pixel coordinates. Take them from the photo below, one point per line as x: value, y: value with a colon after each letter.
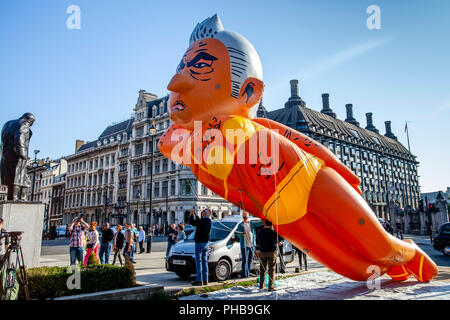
x: 248, y: 235
x: 141, y: 235
x: 93, y: 237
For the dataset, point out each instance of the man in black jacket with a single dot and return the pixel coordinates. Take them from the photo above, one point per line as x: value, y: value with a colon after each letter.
x: 266, y: 246
x: 172, y: 235
x: 201, y: 238
x: 105, y: 246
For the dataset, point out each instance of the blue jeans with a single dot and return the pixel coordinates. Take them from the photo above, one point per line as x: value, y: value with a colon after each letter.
x: 201, y: 260
x: 169, y: 246
x: 131, y: 253
x: 247, y: 258
x: 76, y: 253
x: 105, y: 250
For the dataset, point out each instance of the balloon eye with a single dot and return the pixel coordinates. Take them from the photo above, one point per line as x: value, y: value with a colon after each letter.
x: 200, y: 65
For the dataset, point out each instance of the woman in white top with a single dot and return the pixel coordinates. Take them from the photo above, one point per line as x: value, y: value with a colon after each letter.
x: 92, y: 242
x: 181, y: 235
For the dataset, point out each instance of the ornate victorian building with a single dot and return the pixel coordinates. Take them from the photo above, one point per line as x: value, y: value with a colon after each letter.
x: 109, y: 179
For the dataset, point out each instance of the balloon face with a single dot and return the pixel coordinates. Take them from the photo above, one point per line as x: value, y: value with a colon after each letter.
x: 201, y: 88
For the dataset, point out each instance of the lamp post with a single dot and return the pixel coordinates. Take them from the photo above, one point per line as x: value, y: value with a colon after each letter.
x: 138, y: 195
x: 105, y: 197
x: 34, y: 173
x: 152, y: 131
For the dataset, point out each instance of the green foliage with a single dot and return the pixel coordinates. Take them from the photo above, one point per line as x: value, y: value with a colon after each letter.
x: 161, y: 295
x: 50, y: 282
x: 93, y: 259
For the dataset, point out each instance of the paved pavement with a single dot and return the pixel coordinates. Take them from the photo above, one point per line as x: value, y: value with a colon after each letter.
x: 150, y: 268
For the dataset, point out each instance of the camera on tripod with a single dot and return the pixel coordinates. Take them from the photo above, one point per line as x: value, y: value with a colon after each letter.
x: 15, y: 236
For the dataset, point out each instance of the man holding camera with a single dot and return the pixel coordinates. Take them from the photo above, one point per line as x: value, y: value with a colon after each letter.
x: 201, y: 238
x: 76, y: 230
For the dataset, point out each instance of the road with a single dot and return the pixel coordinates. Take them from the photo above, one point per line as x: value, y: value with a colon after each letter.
x: 150, y: 268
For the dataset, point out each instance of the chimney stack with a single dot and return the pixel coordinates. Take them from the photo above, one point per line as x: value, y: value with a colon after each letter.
x: 370, y: 125
x: 78, y: 144
x: 326, y: 105
x: 350, y: 119
x: 389, y: 130
x: 295, y: 99
x: 294, y: 88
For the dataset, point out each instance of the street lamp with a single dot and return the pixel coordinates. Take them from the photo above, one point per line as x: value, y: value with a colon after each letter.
x: 152, y: 131
x: 34, y: 173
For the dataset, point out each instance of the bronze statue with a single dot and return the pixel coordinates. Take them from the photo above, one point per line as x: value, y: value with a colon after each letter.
x: 16, y: 136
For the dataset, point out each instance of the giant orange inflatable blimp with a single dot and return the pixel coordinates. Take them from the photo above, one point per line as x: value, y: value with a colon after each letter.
x: 271, y: 170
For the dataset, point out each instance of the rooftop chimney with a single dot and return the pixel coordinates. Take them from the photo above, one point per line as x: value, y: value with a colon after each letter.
x: 295, y: 99
x: 261, y: 112
x: 350, y: 119
x: 389, y: 131
x: 78, y: 144
x: 370, y: 125
x: 326, y: 105
x: 294, y: 88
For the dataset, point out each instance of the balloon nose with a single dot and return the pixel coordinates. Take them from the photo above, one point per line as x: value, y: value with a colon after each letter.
x: 181, y: 82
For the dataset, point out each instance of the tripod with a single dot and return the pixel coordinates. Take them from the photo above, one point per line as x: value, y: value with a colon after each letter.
x: 15, y: 268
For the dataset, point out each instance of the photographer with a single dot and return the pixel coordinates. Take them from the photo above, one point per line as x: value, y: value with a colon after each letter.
x: 201, y: 238
x: 3, y: 241
x: 76, y: 243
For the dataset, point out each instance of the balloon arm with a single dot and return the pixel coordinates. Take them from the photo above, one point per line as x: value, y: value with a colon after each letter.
x: 313, y: 147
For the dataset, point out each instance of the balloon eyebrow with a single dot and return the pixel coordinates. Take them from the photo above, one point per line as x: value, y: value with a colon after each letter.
x: 201, y: 55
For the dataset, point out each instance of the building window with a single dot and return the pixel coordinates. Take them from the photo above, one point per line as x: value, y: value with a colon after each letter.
x: 172, y: 187
x: 137, y: 170
x: 157, y: 162
x: 156, y: 190
x: 123, y: 167
x: 165, y: 165
x: 188, y: 186
x: 204, y: 190
x: 139, y: 149
x: 140, y: 131
x: 165, y: 189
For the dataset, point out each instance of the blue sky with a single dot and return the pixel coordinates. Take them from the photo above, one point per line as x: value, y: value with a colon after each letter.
x: 77, y: 82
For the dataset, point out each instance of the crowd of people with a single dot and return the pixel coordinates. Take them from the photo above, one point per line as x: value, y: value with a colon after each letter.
x: 84, y: 240
x: 262, y: 244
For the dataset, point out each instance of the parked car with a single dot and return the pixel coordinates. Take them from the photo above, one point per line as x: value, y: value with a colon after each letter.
x: 442, y: 241
x: 224, y: 253
x: 60, y: 231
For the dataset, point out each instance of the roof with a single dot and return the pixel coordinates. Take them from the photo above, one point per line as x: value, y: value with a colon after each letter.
x: 110, y: 133
x: 306, y: 119
x: 157, y: 103
x: 434, y: 196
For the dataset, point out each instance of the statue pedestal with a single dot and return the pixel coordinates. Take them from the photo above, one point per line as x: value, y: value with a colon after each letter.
x: 29, y: 218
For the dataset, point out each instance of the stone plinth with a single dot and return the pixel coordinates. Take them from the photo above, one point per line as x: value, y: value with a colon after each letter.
x: 29, y: 218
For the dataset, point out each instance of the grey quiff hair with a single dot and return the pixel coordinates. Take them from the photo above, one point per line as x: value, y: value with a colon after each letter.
x: 244, y: 60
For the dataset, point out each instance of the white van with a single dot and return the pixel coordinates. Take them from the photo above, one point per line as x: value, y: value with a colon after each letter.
x: 224, y: 253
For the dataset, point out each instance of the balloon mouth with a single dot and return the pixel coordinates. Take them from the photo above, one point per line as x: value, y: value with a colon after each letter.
x: 178, y: 105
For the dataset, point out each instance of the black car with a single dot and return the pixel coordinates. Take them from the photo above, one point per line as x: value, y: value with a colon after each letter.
x: 442, y: 241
